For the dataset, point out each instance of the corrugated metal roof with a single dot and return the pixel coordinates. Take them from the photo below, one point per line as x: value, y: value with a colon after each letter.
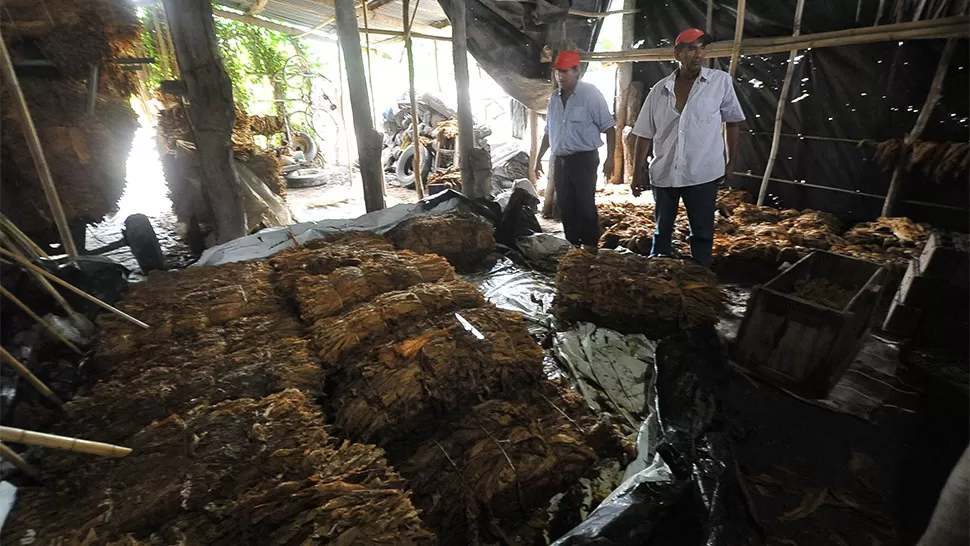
x: 304, y: 13
x: 429, y: 12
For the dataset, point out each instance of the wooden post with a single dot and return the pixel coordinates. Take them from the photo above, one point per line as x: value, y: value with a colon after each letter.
x: 466, y: 128
x: 212, y: 112
x: 370, y: 69
x: 369, y: 141
x: 780, y: 110
x: 624, y: 77
x: 738, y: 33
x: 924, y: 117
x: 37, y: 152
x: 342, y: 99
x: 415, y: 131
x: 533, y: 145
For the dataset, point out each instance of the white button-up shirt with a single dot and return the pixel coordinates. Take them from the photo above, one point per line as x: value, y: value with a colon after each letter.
x: 577, y: 126
x: 687, y: 146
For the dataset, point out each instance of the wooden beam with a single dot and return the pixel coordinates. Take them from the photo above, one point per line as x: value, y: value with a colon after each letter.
x: 212, y: 112
x: 36, y: 151
x: 933, y: 97
x: 602, y: 14
x: 738, y: 35
x: 935, y: 28
x: 369, y: 141
x: 415, y: 121
x: 466, y: 127
x: 780, y: 109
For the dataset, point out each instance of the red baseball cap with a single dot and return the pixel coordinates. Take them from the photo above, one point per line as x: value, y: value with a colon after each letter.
x: 566, y: 60
x: 692, y: 35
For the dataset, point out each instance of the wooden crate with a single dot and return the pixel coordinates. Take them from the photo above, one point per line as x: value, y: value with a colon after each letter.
x: 802, y: 345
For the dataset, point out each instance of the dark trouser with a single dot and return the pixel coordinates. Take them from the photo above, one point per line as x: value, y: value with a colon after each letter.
x: 699, y: 201
x: 575, y: 179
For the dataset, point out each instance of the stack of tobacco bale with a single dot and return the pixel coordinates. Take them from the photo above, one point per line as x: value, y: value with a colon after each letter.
x: 238, y: 472
x: 465, y: 239
x: 892, y: 242
x: 217, y: 333
x: 631, y: 293
x: 752, y: 240
x: 87, y: 154
x: 429, y: 365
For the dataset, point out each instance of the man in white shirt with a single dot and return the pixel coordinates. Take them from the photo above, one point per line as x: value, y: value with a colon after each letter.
x: 680, y: 129
x: 576, y: 117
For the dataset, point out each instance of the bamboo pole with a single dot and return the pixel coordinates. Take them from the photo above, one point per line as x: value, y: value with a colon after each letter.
x: 15, y: 459
x: 933, y: 97
x: 37, y: 152
x: 956, y: 26
x: 34, y: 381
x: 74, y: 289
x: 709, y: 27
x: 738, y: 35
x: 780, y: 110
x: 437, y: 68
x: 77, y: 445
x: 601, y: 14
x: 43, y: 282
x: 370, y: 69
x: 415, y: 133
x: 6, y: 293
x: 21, y: 237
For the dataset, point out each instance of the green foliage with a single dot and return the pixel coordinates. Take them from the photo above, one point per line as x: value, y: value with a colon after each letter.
x: 252, y: 55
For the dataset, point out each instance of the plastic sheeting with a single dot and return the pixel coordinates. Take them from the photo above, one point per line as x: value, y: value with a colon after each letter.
x: 514, y: 288
x: 270, y: 241
x: 686, y: 493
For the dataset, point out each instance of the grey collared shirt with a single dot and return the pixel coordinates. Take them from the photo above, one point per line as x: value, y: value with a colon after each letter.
x: 577, y: 126
x: 687, y: 146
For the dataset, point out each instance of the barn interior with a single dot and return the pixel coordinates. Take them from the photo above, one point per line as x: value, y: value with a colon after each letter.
x: 294, y: 272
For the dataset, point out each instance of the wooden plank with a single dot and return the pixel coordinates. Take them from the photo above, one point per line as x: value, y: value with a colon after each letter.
x: 466, y: 128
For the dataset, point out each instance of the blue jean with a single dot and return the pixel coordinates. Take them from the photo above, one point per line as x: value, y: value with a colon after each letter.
x: 699, y: 201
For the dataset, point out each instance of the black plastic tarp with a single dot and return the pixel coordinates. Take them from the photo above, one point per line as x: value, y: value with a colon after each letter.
x: 871, y: 92
x: 688, y: 493
x: 507, y: 39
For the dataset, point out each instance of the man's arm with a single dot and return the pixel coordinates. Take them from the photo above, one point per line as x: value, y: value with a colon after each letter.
x: 542, y: 151
x: 641, y: 176
x: 733, y: 131
x: 610, y: 148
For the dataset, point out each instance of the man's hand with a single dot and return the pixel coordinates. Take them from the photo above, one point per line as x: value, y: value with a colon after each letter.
x: 539, y: 171
x: 608, y: 167
x: 641, y: 181
x: 728, y: 172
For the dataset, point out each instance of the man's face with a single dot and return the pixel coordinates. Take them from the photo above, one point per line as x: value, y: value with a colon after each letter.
x: 691, y: 55
x: 567, y: 78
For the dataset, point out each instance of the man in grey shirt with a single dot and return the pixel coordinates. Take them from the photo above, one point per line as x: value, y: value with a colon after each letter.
x: 576, y: 117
